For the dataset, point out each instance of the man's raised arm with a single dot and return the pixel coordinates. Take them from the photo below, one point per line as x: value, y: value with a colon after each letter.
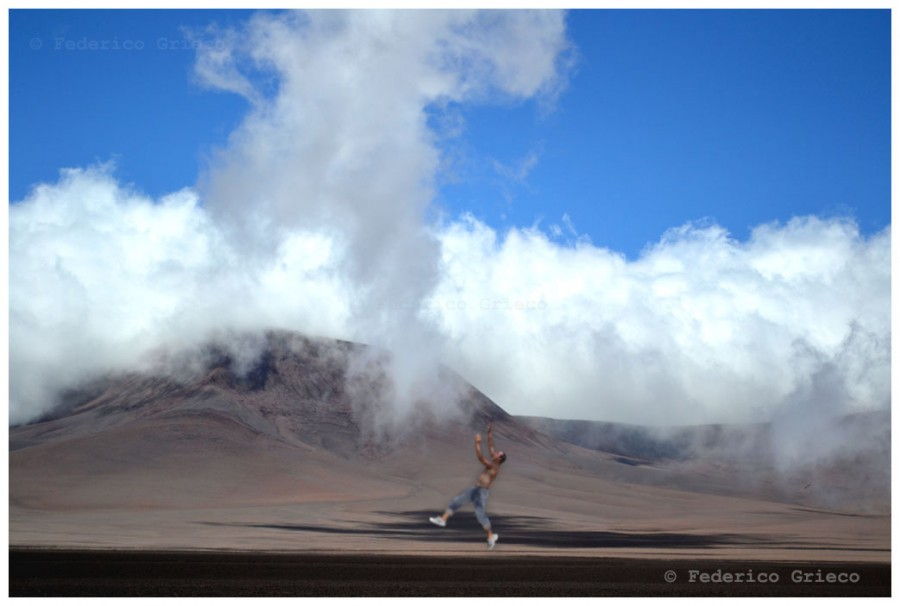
x: 478, y: 452
x: 490, y: 433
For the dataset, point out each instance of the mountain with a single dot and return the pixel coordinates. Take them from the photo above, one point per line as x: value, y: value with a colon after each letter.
x: 298, y: 442
x: 293, y: 409
x: 851, y: 473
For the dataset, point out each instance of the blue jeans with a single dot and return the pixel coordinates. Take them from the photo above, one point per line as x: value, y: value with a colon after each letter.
x: 476, y: 495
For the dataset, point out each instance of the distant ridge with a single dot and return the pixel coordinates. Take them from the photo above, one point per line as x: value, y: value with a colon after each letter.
x: 856, y: 479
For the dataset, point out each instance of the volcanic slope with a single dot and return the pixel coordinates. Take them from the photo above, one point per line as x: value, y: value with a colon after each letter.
x: 294, y: 447
x: 847, y: 467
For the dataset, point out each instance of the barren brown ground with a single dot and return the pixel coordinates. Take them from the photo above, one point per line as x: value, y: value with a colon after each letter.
x: 225, y: 488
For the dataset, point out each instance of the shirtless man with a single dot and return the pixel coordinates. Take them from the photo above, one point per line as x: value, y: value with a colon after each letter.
x: 478, y: 494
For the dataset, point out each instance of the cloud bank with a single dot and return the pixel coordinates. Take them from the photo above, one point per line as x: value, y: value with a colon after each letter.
x: 317, y: 217
x: 701, y: 328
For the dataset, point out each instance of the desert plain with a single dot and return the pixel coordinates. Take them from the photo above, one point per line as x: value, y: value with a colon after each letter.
x: 280, y: 480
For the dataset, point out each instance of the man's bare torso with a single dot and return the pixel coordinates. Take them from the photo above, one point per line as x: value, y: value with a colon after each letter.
x: 487, y: 476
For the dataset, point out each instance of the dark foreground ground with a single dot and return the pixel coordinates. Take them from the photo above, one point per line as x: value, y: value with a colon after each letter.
x: 58, y: 573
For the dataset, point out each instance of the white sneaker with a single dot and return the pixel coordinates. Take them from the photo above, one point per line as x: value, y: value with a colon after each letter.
x: 493, y: 540
x: 438, y: 521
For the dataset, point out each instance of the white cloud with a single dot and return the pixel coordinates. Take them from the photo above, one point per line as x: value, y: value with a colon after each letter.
x: 701, y: 328
x: 313, y: 218
x: 100, y: 275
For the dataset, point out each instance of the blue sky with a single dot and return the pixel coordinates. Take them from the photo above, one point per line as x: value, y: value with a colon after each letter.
x: 137, y: 106
x: 711, y: 191
x: 739, y: 117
